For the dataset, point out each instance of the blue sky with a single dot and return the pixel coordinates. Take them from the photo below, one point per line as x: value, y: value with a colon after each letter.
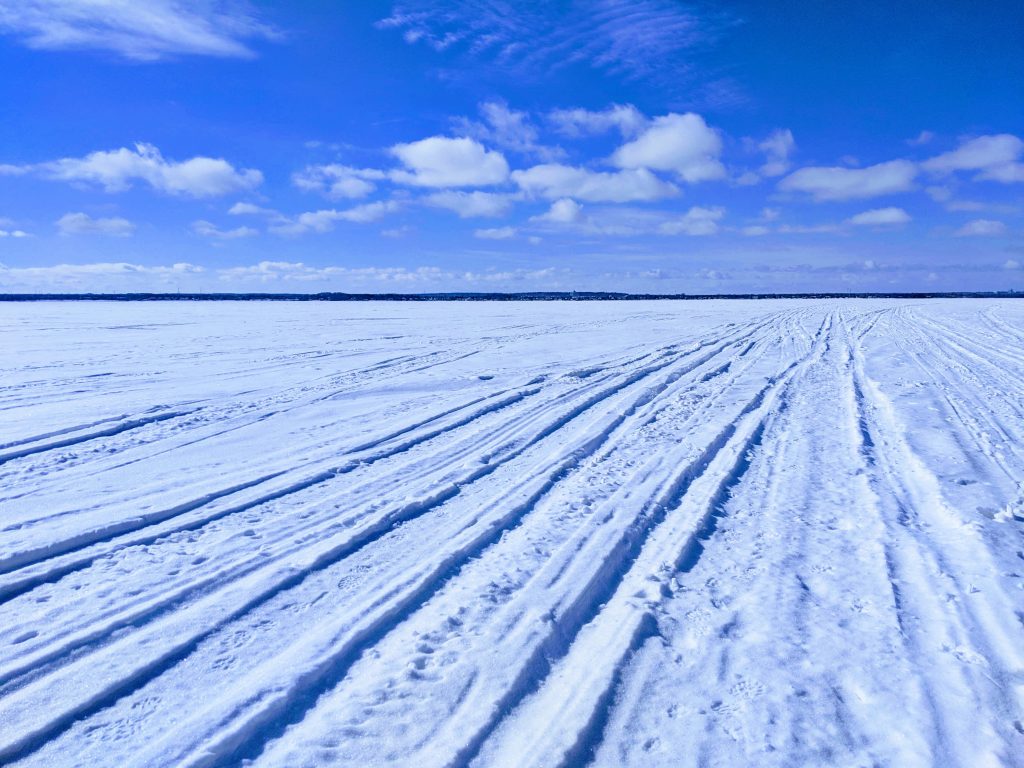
x: 416, y: 146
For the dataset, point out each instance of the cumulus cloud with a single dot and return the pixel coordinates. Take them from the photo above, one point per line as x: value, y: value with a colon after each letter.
x: 141, y: 30
x: 836, y: 183
x: 981, y: 228
x: 337, y: 181
x: 625, y: 118
x: 324, y: 220
x: 470, y: 204
x: 506, y: 128
x: 554, y: 181
x: 878, y: 217
x: 207, y: 229
x: 777, y: 148
x: 995, y: 158
x: 443, y: 162
x: 564, y: 211
x: 118, y: 169
x: 497, y: 233
x: 683, y: 144
x: 84, y: 224
x: 696, y: 221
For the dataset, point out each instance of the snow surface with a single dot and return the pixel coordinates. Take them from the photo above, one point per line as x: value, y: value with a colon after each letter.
x: 770, y: 533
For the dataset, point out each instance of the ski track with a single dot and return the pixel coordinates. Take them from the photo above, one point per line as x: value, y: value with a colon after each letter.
x: 778, y: 533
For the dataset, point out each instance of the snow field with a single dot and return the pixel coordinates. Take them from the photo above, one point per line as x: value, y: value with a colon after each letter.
x: 525, y: 534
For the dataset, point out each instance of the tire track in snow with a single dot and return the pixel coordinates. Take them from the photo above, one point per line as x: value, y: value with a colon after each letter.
x: 925, y: 533
x: 607, y: 623
x: 32, y: 739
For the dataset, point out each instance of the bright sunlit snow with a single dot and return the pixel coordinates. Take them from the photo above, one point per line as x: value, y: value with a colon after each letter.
x: 656, y: 533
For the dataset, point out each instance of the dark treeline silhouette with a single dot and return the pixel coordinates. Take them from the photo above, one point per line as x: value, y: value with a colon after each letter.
x: 527, y: 296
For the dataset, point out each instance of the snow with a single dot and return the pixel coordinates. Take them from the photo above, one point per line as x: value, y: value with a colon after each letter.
x: 772, y: 533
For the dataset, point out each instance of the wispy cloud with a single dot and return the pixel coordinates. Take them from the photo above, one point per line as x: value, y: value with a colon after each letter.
x: 97, y: 276
x: 140, y: 30
x: 470, y: 205
x: 509, y: 129
x: 207, y: 229
x: 324, y: 220
x: 981, y: 228
x: 625, y: 118
x: 84, y: 224
x: 631, y: 38
x: 880, y: 217
x: 837, y: 183
x: 495, y: 233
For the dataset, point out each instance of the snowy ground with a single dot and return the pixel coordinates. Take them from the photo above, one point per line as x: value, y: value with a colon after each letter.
x: 701, y: 533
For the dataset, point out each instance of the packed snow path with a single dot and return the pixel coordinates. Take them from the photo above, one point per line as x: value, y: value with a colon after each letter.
x: 666, y: 533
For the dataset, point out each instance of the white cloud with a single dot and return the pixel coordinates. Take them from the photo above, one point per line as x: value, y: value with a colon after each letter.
x: 924, y: 137
x: 17, y: 233
x: 981, y: 228
x: 13, y: 170
x: 696, y: 221
x: 323, y: 221
x: 142, y: 30
x: 996, y: 158
x: 297, y: 271
x: 506, y: 128
x: 470, y: 204
x: 84, y: 224
x: 1009, y: 173
x: 564, y: 211
x: 755, y: 230
x: 777, y: 148
x: 837, y: 183
x: 112, y: 276
x: 117, y: 169
x: 249, y: 209
x: 206, y: 229
x: 442, y: 162
x: 880, y: 217
x: 627, y: 38
x: 498, y: 233
x: 625, y: 118
x: 554, y: 181
x: 337, y: 181
x: 1011, y: 264
x: 807, y: 229
x: 684, y: 144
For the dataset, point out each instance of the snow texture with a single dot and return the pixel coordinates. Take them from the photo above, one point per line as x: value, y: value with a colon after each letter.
x: 771, y: 533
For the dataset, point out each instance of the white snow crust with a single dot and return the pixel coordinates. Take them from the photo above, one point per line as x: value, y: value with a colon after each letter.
x: 721, y: 533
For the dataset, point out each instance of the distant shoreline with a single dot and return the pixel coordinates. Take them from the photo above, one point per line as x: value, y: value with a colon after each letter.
x: 527, y: 296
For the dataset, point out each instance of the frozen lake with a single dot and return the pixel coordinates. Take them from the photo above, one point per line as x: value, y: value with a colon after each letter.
x: 726, y: 533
